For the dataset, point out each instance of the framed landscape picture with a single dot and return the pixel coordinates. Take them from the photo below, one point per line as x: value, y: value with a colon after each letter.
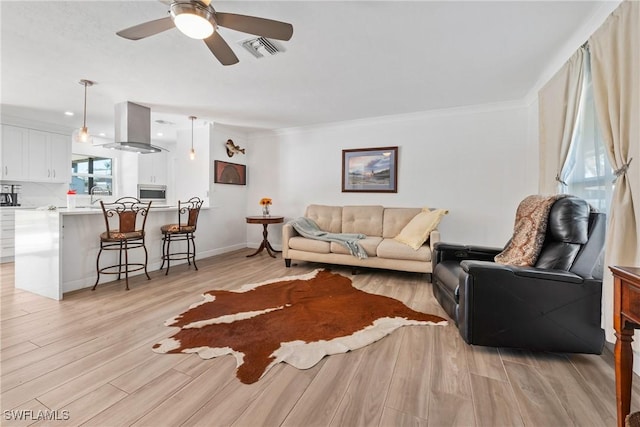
x: 370, y: 170
x: 229, y: 173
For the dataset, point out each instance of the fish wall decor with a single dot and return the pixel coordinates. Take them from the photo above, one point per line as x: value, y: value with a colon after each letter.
x: 232, y: 148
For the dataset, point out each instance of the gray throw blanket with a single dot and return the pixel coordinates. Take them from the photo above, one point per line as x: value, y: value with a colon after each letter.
x: 309, y: 229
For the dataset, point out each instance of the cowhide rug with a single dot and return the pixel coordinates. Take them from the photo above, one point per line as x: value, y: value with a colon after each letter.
x: 297, y: 320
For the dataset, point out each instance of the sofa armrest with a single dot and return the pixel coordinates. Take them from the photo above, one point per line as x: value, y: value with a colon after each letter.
x: 487, y: 267
x: 287, y: 233
x: 434, y: 238
x: 450, y: 251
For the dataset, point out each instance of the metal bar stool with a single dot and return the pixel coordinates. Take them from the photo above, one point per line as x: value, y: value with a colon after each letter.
x: 130, y: 216
x: 184, y: 230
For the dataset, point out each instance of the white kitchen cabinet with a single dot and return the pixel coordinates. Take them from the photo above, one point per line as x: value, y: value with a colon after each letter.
x: 60, y: 156
x: 34, y: 155
x: 13, y: 153
x: 152, y: 168
x: 7, y: 234
x: 49, y: 157
x: 38, y: 166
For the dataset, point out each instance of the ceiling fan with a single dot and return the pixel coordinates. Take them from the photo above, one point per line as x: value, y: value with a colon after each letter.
x: 198, y: 19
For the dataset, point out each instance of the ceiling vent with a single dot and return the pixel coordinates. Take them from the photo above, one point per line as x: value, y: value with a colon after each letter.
x: 260, y: 47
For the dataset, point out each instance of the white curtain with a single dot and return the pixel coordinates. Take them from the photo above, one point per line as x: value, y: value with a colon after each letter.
x: 587, y: 172
x: 558, y: 104
x: 615, y: 66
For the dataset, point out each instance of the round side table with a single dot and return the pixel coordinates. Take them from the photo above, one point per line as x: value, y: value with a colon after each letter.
x: 265, y: 221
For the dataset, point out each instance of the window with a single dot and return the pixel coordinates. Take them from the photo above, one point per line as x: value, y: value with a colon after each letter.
x: 587, y: 172
x: 88, y: 172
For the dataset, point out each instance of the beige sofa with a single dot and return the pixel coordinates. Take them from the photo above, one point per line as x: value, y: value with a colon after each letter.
x: 379, y: 224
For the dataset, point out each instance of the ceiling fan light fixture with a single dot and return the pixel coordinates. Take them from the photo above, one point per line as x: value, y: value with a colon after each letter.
x: 192, y: 19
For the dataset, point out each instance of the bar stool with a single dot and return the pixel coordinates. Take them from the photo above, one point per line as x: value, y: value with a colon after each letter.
x: 184, y: 230
x: 125, y: 220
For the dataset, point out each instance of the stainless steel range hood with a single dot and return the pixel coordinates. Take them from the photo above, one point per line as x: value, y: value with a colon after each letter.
x: 133, y: 129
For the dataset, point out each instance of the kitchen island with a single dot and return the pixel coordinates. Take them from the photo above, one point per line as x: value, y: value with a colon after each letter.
x: 56, y: 250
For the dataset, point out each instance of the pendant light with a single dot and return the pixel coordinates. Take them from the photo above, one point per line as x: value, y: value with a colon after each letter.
x: 82, y: 134
x: 192, y: 153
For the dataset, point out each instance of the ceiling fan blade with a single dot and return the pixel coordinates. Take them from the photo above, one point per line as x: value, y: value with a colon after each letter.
x: 221, y: 49
x: 253, y: 25
x: 147, y: 29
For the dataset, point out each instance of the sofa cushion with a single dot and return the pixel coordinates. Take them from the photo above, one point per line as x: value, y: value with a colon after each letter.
x: 417, y: 231
x: 394, y: 220
x: 328, y: 218
x: 369, y: 244
x: 362, y: 219
x: 392, y: 249
x: 310, y: 245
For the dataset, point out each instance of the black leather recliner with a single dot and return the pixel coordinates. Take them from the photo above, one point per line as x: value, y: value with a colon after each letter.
x: 552, y: 306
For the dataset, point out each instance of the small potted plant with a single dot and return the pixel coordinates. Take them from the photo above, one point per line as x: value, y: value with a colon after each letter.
x: 265, y: 202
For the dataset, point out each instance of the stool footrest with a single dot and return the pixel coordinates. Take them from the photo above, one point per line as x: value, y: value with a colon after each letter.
x: 175, y: 256
x: 106, y: 270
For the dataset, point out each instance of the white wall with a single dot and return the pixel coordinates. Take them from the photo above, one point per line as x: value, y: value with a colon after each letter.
x: 228, y: 201
x: 221, y: 225
x: 476, y: 162
x: 191, y: 177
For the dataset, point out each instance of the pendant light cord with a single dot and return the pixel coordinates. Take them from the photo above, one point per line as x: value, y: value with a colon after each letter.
x: 84, y: 114
x: 192, y: 153
x: 84, y: 133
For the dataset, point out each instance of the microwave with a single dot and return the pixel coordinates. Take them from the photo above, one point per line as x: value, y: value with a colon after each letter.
x: 152, y: 193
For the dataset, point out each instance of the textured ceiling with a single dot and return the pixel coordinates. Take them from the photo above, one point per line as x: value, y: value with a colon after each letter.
x: 347, y: 60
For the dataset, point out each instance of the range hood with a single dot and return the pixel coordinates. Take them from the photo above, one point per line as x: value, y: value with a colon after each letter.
x: 133, y: 129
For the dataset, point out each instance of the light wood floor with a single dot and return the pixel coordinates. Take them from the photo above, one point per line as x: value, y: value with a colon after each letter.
x: 90, y: 356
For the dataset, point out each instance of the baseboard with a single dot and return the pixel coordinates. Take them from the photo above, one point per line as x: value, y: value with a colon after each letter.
x: 254, y: 245
x: 76, y: 285
x: 220, y: 251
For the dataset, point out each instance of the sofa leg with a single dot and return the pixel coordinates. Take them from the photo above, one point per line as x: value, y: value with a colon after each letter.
x: 287, y: 262
x: 429, y: 277
x: 354, y: 271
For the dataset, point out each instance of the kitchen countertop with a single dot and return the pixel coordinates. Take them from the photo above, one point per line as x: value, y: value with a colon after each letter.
x: 86, y: 210
x: 81, y: 210
x: 56, y: 250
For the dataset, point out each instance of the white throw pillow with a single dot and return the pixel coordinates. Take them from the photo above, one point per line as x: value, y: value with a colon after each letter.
x: 417, y: 231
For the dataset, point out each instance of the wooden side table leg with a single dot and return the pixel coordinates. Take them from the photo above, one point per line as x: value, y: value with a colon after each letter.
x: 260, y: 249
x: 265, y: 243
x: 623, y: 355
x: 265, y: 221
x: 271, y: 250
